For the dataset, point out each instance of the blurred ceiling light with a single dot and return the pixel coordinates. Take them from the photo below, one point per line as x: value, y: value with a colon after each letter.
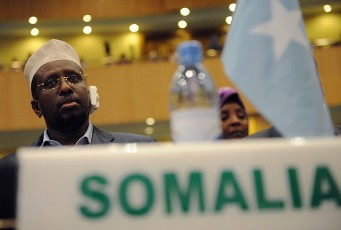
x: 87, y: 29
x: 150, y: 121
x: 134, y: 28
x: 322, y: 42
x: 33, y: 20
x: 232, y: 7
x: 87, y: 18
x: 34, y: 32
x: 185, y: 11
x: 327, y: 8
x: 228, y: 20
x: 211, y: 53
x: 149, y: 130
x: 182, y: 24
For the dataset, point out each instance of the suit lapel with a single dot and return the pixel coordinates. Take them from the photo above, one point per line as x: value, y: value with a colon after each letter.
x: 100, y: 137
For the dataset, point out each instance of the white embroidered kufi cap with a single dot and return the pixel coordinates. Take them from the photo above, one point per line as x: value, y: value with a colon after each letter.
x: 52, y: 50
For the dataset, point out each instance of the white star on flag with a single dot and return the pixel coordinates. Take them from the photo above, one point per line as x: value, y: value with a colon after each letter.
x: 277, y: 28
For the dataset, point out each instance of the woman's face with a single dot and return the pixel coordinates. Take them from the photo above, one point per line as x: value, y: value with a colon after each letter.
x: 234, y: 121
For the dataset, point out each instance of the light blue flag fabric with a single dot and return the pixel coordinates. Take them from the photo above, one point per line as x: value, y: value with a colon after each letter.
x: 268, y: 57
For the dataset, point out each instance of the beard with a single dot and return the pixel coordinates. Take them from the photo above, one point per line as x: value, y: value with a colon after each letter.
x: 70, y: 121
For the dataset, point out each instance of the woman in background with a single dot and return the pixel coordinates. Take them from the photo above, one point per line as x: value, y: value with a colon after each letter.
x: 233, y: 115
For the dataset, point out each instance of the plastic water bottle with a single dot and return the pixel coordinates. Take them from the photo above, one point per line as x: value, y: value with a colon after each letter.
x: 194, y: 111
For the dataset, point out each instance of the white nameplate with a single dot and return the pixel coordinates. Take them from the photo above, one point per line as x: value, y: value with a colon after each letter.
x: 254, y: 184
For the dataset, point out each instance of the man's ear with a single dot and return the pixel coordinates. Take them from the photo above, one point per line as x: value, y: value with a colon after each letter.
x: 36, y: 107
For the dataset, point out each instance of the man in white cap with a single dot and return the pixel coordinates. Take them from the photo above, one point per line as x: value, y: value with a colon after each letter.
x: 60, y: 95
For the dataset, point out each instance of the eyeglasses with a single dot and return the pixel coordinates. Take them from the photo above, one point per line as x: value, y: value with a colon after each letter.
x: 52, y: 83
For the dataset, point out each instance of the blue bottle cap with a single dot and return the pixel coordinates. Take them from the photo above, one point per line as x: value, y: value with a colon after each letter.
x: 189, y: 52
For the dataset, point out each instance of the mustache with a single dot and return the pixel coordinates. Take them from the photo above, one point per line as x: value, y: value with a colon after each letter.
x: 236, y: 133
x: 65, y: 100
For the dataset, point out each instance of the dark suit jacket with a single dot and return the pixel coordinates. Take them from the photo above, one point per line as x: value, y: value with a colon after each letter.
x: 272, y: 132
x: 9, y: 167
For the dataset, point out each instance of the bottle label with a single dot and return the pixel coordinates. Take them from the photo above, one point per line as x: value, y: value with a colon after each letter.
x: 195, y: 124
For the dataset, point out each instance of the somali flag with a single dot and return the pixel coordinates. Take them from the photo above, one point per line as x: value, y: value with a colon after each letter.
x: 268, y: 57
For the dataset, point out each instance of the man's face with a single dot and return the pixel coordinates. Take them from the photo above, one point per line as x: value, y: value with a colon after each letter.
x: 234, y: 121
x: 61, y: 95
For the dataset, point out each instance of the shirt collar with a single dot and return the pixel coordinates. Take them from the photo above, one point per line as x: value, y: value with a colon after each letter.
x: 84, y: 140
